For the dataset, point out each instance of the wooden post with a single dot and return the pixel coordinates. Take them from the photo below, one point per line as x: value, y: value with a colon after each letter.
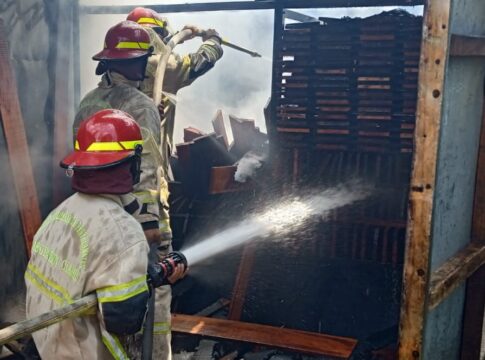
x: 433, y: 61
x: 17, y: 146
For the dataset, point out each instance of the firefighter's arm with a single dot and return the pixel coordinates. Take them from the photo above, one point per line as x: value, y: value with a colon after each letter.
x: 122, y: 301
x: 194, y: 65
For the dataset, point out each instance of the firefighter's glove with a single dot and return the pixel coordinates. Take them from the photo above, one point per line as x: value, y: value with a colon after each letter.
x: 178, y: 274
x: 211, y: 34
x: 156, y: 275
x: 196, y: 31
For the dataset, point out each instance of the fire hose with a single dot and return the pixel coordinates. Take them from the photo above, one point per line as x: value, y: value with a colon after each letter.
x: 164, y: 269
x: 88, y: 303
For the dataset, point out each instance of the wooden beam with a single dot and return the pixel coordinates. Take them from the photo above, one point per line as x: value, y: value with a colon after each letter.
x: 17, y: 146
x: 433, y: 61
x: 288, y: 339
x: 465, y: 45
x: 219, y: 127
x: 454, y: 272
x: 241, y: 283
x: 249, y: 5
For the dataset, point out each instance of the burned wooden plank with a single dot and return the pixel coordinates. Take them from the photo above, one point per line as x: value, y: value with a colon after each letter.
x: 219, y: 127
x: 293, y: 340
x: 191, y: 133
x: 465, y: 45
x: 418, y: 242
x: 241, y: 283
x: 205, y: 153
x: 454, y: 272
x: 222, y: 180
x: 18, y: 148
x: 246, y: 136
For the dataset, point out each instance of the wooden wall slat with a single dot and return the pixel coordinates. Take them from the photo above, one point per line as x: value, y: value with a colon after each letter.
x: 18, y: 149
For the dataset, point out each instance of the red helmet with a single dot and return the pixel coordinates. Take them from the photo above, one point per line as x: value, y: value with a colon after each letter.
x: 126, y: 40
x: 106, y: 138
x: 147, y: 16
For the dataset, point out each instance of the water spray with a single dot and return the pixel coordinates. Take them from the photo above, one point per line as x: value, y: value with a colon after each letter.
x: 278, y: 220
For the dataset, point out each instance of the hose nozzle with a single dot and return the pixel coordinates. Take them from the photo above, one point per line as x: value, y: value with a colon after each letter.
x: 159, y: 272
x: 170, y: 262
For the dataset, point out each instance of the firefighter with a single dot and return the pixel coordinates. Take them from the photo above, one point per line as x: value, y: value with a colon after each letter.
x: 181, y: 71
x: 122, y: 64
x: 91, y: 243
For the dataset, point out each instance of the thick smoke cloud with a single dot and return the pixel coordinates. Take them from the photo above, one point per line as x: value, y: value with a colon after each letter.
x: 239, y: 84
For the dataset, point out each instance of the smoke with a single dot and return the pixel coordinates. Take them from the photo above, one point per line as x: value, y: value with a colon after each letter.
x: 247, y: 166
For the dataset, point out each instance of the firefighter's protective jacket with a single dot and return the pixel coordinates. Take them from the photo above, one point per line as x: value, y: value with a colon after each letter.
x: 116, y: 92
x: 181, y: 71
x: 88, y: 244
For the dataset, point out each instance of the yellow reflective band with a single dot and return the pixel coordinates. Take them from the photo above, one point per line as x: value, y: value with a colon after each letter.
x: 114, y: 346
x: 46, y: 286
x: 147, y: 197
x: 76, y: 145
x: 161, y: 328
x: 130, y: 145
x: 186, y: 61
x: 105, y: 146
x: 145, y: 20
x: 123, y: 291
x: 114, y: 145
x: 133, y: 45
x: 164, y: 225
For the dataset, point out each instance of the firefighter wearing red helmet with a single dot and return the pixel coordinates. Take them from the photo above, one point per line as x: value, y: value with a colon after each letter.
x: 122, y: 64
x: 90, y: 243
x: 181, y: 70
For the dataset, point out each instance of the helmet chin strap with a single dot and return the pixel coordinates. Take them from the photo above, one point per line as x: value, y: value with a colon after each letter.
x: 136, y: 164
